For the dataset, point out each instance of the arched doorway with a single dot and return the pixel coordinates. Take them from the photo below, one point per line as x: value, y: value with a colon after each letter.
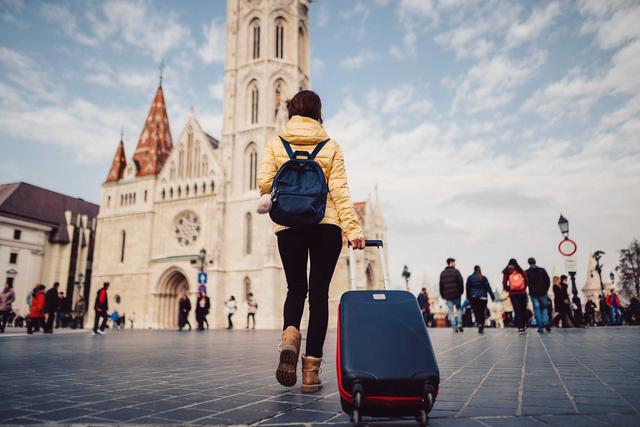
x: 170, y: 286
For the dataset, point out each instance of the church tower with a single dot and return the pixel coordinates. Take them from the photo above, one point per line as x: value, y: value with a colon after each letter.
x: 266, y: 63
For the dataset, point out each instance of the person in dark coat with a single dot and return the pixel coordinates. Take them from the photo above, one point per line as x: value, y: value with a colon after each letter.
x: 203, y: 304
x: 7, y: 298
x: 37, y: 310
x: 51, y: 304
x: 514, y: 280
x: 478, y: 288
x: 563, y: 303
x: 451, y: 288
x: 101, y: 307
x: 539, y: 283
x: 423, y: 302
x: 184, y: 307
x: 590, y: 312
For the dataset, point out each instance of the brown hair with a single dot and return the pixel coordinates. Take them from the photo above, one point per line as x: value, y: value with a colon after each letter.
x: 305, y: 103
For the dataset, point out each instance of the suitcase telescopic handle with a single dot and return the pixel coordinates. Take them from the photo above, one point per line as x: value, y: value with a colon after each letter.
x: 352, y: 263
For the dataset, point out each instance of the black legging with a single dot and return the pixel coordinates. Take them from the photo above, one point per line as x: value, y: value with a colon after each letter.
x: 322, y: 243
x: 479, y: 306
x: 519, y: 302
x: 99, y: 314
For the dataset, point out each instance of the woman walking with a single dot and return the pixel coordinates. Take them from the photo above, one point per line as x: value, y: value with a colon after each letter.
x: 36, y: 314
x: 477, y: 290
x: 184, y: 308
x: 514, y: 280
x: 203, y: 304
x: 321, y: 242
x: 563, y: 303
x: 230, y: 308
x: 7, y: 298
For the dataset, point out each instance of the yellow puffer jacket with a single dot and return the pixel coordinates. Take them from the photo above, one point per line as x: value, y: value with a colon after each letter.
x: 304, y: 134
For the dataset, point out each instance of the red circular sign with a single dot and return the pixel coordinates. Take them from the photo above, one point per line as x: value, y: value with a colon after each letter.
x: 571, y: 249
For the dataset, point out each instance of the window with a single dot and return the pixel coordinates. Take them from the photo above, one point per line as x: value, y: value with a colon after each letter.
x: 280, y: 38
x: 124, y: 238
x: 179, y: 191
x: 181, y: 164
x: 171, y: 193
x: 204, y: 188
x: 251, y: 165
x: 279, y: 89
x: 189, y: 154
x: 254, y: 102
x: 9, y: 281
x: 17, y: 234
x: 109, y: 201
x: 254, y: 34
x: 195, y: 189
x: 186, y: 190
x: 248, y: 231
x: 13, y: 258
x: 164, y: 194
x: 145, y: 195
x: 213, y: 187
x: 302, y: 51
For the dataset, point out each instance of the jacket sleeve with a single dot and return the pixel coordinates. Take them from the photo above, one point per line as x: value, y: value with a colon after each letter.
x: 268, y: 169
x: 460, y: 283
x: 488, y: 286
x: 546, y: 281
x: 467, y: 288
x: 440, y: 284
x: 339, y: 192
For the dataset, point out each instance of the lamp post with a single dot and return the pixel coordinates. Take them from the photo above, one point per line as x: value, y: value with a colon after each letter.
x: 202, y: 256
x: 406, y: 274
x: 597, y: 255
x: 612, y: 277
x: 563, y: 224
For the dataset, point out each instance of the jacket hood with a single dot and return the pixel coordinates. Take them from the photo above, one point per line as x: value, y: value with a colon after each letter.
x: 301, y: 130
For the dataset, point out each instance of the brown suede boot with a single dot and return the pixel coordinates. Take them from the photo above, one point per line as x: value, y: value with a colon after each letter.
x: 289, y: 352
x: 310, y: 370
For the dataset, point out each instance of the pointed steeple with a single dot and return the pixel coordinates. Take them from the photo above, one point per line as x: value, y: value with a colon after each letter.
x: 155, y: 141
x: 118, y: 165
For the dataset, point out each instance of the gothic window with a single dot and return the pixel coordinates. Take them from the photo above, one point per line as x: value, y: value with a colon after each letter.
x: 171, y: 193
x: 253, y: 89
x: 172, y: 171
x: 134, y: 198
x: 205, y: 166
x: 121, y: 199
x: 179, y: 191
x: 247, y: 233
x: 195, y: 189
x: 145, y: 195
x: 251, y: 166
x: 186, y: 190
x: 279, y: 89
x: 124, y: 238
x: 189, y: 154
x: 109, y: 201
x: 181, y: 164
x: 213, y: 187
x: 204, y: 189
x: 302, y: 50
x: 280, y: 38
x: 254, y: 34
x: 163, y: 194
x: 196, y: 161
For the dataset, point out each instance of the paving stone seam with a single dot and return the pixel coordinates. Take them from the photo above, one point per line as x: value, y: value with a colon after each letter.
x: 459, y: 345
x: 522, y: 376
x: 477, y: 389
x: 606, y: 384
x: 555, y: 369
x: 457, y: 371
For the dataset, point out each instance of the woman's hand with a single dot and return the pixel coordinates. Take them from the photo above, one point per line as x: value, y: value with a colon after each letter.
x: 358, y: 243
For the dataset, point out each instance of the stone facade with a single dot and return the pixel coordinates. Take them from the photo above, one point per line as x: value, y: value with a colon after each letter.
x: 197, y: 210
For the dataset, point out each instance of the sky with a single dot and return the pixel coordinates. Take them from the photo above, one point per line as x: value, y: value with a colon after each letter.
x: 480, y: 122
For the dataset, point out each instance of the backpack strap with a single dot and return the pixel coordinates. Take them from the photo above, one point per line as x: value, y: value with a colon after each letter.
x: 287, y: 147
x: 316, y: 150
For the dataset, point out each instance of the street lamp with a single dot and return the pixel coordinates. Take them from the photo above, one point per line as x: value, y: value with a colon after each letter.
x: 612, y: 277
x: 597, y: 255
x: 563, y: 223
x: 406, y: 274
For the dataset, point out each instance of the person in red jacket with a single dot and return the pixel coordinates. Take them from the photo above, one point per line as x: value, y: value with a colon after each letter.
x: 36, y: 314
x: 613, y: 303
x: 514, y: 280
x: 101, y: 308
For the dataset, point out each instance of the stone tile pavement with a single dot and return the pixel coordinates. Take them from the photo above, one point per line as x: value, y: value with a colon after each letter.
x: 569, y: 377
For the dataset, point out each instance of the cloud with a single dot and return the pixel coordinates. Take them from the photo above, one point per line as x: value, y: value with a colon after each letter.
x: 213, y: 48
x: 491, y: 84
x: 102, y: 74
x: 216, y: 90
x: 408, y: 47
x: 538, y: 20
x: 24, y: 72
x: 358, y: 60
x: 613, y: 23
x: 10, y: 10
x: 63, y: 18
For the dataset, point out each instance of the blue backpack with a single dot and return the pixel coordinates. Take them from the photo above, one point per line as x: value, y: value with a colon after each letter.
x: 299, y: 189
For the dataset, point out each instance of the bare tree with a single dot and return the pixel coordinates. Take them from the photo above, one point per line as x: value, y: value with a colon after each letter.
x: 628, y: 269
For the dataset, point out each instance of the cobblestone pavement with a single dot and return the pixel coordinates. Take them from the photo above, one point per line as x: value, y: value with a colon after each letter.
x: 569, y: 377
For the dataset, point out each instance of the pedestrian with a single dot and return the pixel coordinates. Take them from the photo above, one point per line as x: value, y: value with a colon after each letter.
x: 101, y: 307
x: 60, y: 310
x: 590, y: 312
x: 507, y: 308
x: 51, y: 303
x: 37, y: 311
x: 451, y: 289
x: 321, y: 243
x: 514, y: 280
x: 562, y: 303
x: 634, y: 310
x: 478, y: 289
x: 230, y: 308
x: 252, y: 308
x: 7, y: 298
x: 576, y: 309
x: 539, y: 283
x: 203, y: 304
x: 613, y: 304
x: 184, y: 308
x: 604, y: 310
x: 79, y: 310
x: 423, y: 303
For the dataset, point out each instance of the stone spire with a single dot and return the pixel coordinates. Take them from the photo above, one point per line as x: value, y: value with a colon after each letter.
x: 118, y: 165
x: 155, y: 142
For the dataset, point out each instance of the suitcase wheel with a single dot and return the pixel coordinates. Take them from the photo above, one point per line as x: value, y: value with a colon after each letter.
x: 355, y: 417
x: 422, y: 418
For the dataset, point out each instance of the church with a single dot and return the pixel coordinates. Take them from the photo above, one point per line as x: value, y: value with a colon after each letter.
x: 176, y: 209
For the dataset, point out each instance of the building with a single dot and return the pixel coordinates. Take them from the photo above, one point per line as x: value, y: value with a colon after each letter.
x: 45, y: 237
x: 175, y: 210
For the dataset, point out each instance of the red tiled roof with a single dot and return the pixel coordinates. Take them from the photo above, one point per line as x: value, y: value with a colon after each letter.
x: 32, y: 203
x: 155, y: 141
x: 118, y: 165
